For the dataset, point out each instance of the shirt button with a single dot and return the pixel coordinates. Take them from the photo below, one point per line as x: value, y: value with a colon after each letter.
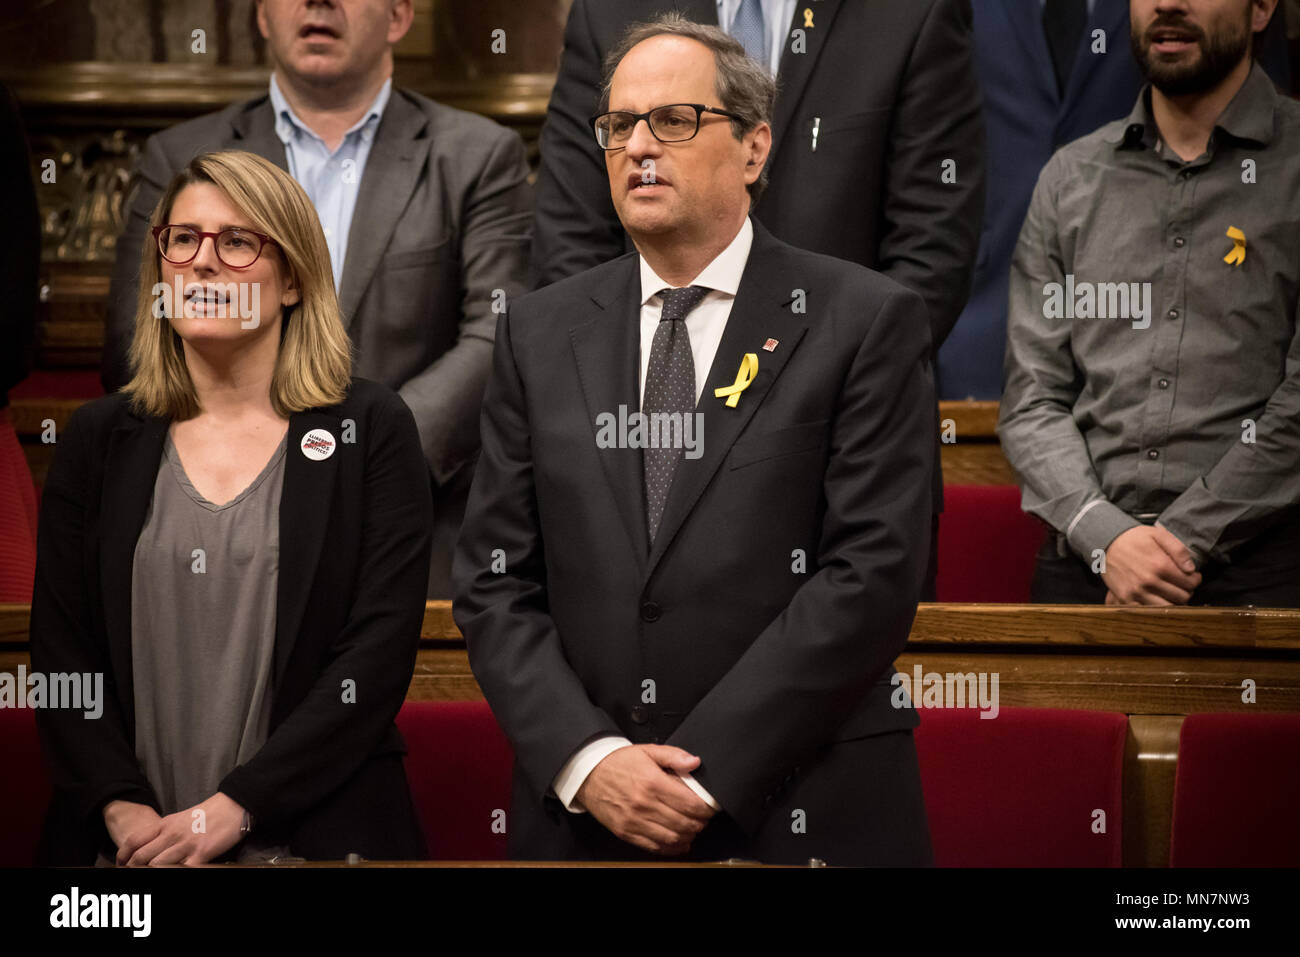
x: 1180, y: 242
x: 1173, y: 314
x: 1164, y: 383
x: 640, y: 715
x: 1153, y: 454
x: 650, y: 611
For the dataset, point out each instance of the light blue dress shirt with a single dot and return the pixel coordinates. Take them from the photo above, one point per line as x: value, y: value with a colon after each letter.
x: 777, y: 15
x: 331, y: 180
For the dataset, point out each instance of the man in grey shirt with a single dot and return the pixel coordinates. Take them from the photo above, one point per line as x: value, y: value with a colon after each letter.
x: 1152, y: 399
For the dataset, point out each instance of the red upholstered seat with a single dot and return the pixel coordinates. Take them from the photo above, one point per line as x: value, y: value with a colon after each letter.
x: 458, y: 763
x: 59, y: 384
x: 1236, y: 791
x: 1022, y: 789
x: 986, y: 545
x: 24, y: 788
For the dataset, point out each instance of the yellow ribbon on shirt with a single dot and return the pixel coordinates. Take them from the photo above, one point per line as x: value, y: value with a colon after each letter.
x: 748, y: 370
x: 1238, y: 252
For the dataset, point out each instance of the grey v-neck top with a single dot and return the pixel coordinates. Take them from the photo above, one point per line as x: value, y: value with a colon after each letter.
x: 203, y: 610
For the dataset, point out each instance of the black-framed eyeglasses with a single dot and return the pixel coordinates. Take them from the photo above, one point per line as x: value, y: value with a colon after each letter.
x: 674, y: 123
x: 236, y: 247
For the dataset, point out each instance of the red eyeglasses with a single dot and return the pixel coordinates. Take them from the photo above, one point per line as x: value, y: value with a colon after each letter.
x: 237, y: 248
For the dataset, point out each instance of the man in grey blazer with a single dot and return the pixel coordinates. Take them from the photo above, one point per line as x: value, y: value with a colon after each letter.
x: 426, y: 210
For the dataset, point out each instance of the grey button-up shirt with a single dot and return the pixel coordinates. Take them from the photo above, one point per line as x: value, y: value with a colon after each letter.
x: 1145, y: 375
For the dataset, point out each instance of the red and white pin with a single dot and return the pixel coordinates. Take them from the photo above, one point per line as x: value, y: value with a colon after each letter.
x: 770, y: 345
x: 318, y: 445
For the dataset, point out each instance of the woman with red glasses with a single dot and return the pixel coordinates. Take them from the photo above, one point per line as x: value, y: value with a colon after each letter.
x: 235, y: 548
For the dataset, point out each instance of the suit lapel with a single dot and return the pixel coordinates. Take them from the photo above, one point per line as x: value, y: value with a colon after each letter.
x: 607, y: 348
x: 387, y: 185
x: 797, y: 68
x: 1024, y: 20
x: 254, y: 130
x: 761, y: 311
x: 306, y: 503
x: 1112, y: 17
x: 134, y: 453
x: 701, y: 11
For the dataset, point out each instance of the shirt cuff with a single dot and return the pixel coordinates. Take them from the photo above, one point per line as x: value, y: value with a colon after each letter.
x: 580, y: 764
x: 1095, y: 526
x: 698, y: 788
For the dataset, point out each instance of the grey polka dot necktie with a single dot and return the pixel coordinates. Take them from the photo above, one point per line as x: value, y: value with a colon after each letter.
x: 669, y: 388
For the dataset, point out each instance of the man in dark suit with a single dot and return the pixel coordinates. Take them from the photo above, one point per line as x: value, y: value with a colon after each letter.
x: 1051, y: 71
x: 427, y: 211
x: 877, y: 143
x: 722, y: 602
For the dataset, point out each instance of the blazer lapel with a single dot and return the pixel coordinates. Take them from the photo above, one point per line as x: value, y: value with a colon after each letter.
x: 254, y: 130
x: 134, y: 453
x: 386, y: 187
x: 306, y: 503
x: 797, y: 68
x: 607, y: 348
x: 1024, y: 20
x: 761, y: 311
x: 1112, y: 17
x: 701, y: 11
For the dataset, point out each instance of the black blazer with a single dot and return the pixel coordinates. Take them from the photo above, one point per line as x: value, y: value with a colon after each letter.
x: 893, y: 88
x: 354, y: 558
x: 772, y: 671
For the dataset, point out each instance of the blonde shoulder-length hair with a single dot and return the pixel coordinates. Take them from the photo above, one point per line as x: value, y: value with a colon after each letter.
x: 314, y: 364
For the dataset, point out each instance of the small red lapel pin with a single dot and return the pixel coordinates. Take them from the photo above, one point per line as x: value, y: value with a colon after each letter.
x: 770, y: 345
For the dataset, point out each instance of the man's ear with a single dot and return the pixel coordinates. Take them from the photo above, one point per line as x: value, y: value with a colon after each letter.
x: 758, y: 143
x: 261, y: 20
x: 1261, y: 12
x: 400, y: 17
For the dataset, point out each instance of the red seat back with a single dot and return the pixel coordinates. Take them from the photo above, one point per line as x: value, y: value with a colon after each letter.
x: 458, y: 763
x: 987, y: 545
x: 1023, y: 789
x: 1236, y: 790
x: 25, y: 788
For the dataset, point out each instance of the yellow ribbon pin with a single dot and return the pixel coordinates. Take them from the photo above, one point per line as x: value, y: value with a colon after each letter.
x: 748, y: 370
x: 807, y: 17
x: 1238, y: 252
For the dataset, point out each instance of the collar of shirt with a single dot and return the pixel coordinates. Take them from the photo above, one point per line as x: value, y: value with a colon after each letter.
x: 1248, y: 116
x: 722, y: 274
x: 287, y: 123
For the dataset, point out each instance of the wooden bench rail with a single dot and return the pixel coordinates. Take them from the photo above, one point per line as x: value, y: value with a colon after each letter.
x: 985, y: 627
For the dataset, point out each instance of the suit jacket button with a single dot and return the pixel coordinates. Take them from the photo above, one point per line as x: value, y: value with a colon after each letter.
x: 640, y: 715
x: 650, y: 611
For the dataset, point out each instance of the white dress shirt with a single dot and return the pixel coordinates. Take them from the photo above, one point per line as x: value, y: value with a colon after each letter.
x: 331, y: 180
x: 704, y: 324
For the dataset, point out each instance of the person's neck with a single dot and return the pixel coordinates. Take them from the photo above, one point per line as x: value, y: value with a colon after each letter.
x: 330, y: 110
x: 677, y: 259
x: 1186, y: 122
x: 233, y: 383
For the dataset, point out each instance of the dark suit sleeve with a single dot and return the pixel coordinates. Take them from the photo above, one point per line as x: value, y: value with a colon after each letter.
x: 514, y: 647
x: 325, y: 739
x: 932, y: 228
x: 494, y: 247
x: 147, y: 185
x: 90, y: 759
x: 807, y: 672
x: 577, y: 227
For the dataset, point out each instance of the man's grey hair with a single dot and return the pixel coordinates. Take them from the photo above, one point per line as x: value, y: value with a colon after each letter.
x: 743, y: 86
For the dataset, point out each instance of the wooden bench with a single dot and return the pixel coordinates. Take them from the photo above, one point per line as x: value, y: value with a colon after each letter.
x: 1155, y: 665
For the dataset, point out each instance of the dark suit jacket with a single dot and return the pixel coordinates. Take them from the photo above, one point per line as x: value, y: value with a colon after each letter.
x: 354, y: 554
x: 1028, y: 119
x: 894, y: 87
x: 770, y: 671
x: 443, y: 218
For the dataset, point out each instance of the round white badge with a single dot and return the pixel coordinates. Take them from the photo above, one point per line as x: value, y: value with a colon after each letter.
x: 318, y: 445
